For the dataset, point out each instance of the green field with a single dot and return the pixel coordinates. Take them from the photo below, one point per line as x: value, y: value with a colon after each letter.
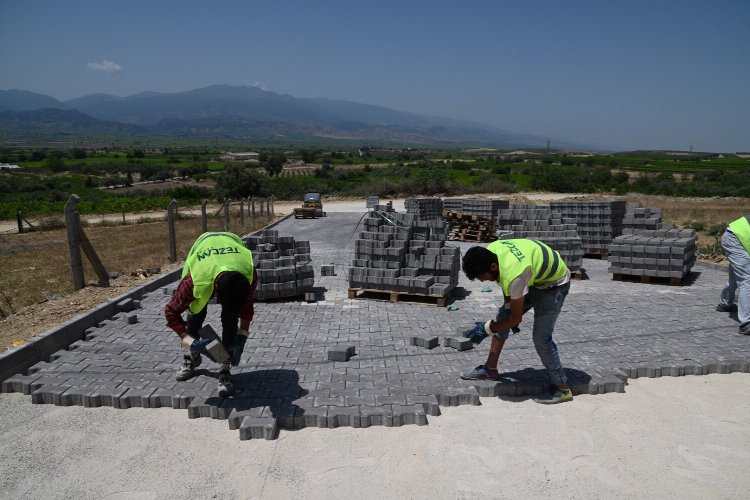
x: 50, y: 175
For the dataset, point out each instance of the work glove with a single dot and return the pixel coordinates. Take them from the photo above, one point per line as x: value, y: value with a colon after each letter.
x: 479, y: 332
x: 239, y: 346
x: 197, y: 345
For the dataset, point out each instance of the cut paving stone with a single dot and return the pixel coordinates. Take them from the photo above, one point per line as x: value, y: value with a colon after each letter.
x: 427, y: 343
x: 458, y: 343
x: 341, y: 353
x: 258, y: 428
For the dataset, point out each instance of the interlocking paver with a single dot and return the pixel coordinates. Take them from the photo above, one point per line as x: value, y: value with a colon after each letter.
x: 609, y: 331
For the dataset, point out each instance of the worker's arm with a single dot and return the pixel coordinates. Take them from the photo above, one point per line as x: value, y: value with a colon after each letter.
x: 514, y: 319
x: 177, y: 305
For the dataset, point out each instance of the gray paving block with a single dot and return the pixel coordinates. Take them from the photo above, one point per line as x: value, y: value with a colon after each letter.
x: 258, y: 428
x: 341, y: 353
x: 48, y: 394
x: 426, y: 342
x: 458, y: 343
x: 19, y: 383
x: 135, y: 398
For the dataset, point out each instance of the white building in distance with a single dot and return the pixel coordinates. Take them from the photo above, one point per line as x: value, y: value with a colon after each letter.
x: 248, y: 157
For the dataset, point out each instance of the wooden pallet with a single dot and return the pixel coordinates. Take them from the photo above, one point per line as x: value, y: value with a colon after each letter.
x: 647, y: 279
x: 409, y: 298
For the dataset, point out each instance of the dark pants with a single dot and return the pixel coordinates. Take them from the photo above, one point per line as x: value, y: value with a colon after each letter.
x: 228, y: 326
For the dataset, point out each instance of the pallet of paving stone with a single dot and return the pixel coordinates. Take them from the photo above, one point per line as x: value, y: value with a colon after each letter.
x: 640, y: 278
x: 403, y: 297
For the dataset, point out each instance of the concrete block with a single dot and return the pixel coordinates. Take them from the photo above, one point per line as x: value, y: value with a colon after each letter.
x: 132, y: 319
x: 458, y: 343
x: 258, y: 428
x: 427, y: 343
x: 341, y: 353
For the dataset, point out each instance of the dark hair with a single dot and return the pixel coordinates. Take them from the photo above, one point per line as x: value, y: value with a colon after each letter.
x: 478, y: 260
x: 232, y: 289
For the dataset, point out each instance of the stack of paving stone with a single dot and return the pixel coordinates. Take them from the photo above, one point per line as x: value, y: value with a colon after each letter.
x: 659, y: 253
x: 424, y: 208
x: 391, y: 256
x: 638, y: 217
x: 539, y: 222
x: 486, y: 209
x: 284, y: 266
x: 599, y: 222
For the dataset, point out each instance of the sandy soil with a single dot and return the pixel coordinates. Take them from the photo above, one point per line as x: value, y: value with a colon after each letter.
x: 683, y: 437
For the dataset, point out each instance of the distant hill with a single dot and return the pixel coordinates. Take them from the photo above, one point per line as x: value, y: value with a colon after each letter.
x: 61, y: 120
x: 22, y: 100
x: 253, y: 113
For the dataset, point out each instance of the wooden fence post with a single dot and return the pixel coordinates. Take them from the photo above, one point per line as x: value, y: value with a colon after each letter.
x: 171, y: 208
x: 270, y: 200
x: 19, y: 219
x: 204, y: 217
x: 242, y: 212
x: 252, y: 205
x: 71, y: 225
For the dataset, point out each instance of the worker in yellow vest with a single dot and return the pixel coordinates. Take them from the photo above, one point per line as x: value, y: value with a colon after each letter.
x: 218, y: 265
x: 736, y: 245
x: 531, y: 275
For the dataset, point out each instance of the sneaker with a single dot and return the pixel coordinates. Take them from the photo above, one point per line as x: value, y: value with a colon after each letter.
x: 187, y: 369
x: 226, y: 385
x: 726, y: 308
x: 745, y: 329
x: 481, y: 373
x: 559, y: 396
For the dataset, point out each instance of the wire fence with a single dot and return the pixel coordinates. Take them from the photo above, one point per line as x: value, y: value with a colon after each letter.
x: 37, y: 265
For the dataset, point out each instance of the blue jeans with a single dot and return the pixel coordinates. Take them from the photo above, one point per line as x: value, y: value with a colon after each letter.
x: 739, y: 277
x: 547, y: 305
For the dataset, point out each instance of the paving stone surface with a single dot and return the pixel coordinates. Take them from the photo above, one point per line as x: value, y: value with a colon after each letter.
x: 608, y: 332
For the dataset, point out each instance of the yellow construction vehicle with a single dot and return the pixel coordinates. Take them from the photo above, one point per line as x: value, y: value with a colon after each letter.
x: 311, y: 207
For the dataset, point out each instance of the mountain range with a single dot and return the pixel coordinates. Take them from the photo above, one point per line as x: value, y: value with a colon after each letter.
x: 243, y: 112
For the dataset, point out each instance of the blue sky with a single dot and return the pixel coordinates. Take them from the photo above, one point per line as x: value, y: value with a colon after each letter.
x: 615, y: 74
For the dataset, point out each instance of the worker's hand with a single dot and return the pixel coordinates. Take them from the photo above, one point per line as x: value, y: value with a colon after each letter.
x: 478, y: 333
x: 197, y: 345
x: 239, y: 346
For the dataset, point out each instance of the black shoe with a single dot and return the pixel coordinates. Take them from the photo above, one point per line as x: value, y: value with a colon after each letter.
x: 187, y: 369
x: 226, y: 384
x: 727, y: 309
x: 745, y: 329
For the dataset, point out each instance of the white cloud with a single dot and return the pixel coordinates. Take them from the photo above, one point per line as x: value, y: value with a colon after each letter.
x: 105, y: 66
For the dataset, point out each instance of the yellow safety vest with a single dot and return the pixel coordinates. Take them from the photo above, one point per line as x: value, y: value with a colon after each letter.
x: 514, y: 256
x: 211, y: 254
x: 741, y: 229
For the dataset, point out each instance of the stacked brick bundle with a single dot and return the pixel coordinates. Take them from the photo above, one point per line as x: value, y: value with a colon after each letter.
x: 486, y: 209
x: 543, y: 224
x: 424, y: 208
x: 638, y: 217
x: 599, y: 222
x: 391, y: 255
x: 283, y: 265
x: 661, y: 253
